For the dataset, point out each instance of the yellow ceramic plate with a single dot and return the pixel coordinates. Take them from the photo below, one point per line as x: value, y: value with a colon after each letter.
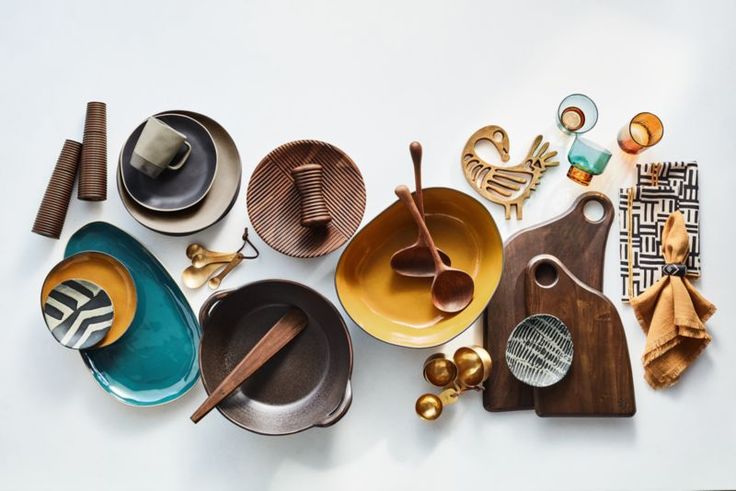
x: 399, y: 310
x: 107, y: 273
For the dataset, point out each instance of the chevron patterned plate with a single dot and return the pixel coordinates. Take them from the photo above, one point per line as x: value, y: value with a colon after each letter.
x: 78, y: 313
x: 539, y: 350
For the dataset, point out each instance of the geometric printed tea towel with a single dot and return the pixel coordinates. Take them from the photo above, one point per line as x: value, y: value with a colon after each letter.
x: 661, y: 188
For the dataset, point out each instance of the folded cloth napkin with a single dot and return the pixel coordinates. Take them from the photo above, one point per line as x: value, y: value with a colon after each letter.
x: 661, y: 188
x: 672, y: 312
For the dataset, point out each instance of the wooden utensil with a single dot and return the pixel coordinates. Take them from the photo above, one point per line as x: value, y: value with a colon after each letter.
x: 579, y: 244
x: 452, y: 289
x: 416, y: 260
x: 599, y: 381
x: 291, y: 324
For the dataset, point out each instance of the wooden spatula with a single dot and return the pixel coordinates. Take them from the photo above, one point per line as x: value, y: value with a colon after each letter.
x: 285, y: 329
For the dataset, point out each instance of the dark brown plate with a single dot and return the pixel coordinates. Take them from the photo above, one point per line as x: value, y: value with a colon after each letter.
x: 306, y: 384
x: 273, y: 200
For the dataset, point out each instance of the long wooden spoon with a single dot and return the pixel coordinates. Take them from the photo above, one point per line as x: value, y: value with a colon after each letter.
x: 452, y: 289
x: 416, y: 260
x: 285, y: 329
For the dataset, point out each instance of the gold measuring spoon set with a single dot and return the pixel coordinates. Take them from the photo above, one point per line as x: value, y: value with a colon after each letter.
x: 469, y: 367
x: 211, y: 267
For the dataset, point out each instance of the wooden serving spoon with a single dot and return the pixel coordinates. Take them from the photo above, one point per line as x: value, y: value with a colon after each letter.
x: 452, y: 289
x: 416, y: 260
x: 285, y: 329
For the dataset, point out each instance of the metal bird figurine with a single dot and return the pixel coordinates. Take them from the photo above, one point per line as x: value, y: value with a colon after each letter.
x: 505, y: 185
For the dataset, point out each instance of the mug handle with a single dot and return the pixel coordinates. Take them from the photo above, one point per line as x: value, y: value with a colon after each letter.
x: 184, y: 157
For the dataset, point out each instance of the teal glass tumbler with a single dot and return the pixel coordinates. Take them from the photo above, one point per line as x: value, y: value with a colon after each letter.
x: 587, y: 160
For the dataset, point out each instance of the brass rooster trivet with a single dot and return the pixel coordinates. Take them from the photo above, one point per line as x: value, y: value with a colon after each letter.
x: 505, y: 185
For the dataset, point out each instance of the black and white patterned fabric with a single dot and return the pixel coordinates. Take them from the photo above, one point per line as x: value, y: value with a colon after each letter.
x: 539, y: 350
x: 661, y: 189
x: 78, y: 313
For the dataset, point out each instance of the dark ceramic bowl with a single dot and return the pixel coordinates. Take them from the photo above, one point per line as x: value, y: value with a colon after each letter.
x: 306, y: 384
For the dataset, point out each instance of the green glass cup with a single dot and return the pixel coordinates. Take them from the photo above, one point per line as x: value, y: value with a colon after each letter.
x: 587, y: 159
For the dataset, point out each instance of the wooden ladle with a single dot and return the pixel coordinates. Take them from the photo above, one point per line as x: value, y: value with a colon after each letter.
x: 452, y: 289
x: 416, y: 260
x: 285, y: 329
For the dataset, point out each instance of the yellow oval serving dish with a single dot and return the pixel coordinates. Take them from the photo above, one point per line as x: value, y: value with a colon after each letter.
x: 110, y: 275
x: 398, y: 309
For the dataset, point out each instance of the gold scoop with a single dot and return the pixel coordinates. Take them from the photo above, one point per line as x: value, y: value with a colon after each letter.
x: 469, y: 367
x: 211, y: 267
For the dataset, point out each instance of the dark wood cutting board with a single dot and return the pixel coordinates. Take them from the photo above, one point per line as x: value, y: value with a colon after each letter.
x: 599, y: 381
x: 580, y: 244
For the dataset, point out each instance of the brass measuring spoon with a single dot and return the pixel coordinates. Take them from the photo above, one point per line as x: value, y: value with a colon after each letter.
x: 469, y: 368
x: 215, y: 281
x: 195, y: 277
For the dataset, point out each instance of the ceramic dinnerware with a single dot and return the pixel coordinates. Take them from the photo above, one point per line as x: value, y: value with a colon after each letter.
x: 156, y: 361
x: 274, y: 204
x: 539, y: 351
x: 398, y: 309
x: 159, y: 148
x: 216, y: 203
x: 172, y: 190
x: 107, y: 273
x: 305, y: 384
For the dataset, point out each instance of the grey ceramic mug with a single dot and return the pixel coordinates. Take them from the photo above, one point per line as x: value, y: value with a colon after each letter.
x: 156, y: 148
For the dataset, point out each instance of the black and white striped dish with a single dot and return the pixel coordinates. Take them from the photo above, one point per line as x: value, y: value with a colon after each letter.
x: 539, y: 351
x: 78, y: 313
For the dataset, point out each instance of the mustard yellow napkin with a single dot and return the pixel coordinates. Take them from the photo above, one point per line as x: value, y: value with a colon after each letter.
x: 672, y: 312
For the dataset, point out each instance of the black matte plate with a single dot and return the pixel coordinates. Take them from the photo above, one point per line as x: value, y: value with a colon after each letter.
x: 174, y: 189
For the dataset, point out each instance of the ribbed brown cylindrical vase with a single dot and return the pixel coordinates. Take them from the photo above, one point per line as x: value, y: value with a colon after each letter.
x: 52, y: 212
x: 308, y: 181
x: 93, y: 166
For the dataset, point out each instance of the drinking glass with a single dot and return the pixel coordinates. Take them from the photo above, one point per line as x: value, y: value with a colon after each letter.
x: 576, y: 114
x: 587, y: 159
x: 643, y: 131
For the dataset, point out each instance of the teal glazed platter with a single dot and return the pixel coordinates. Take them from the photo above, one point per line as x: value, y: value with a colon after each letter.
x: 155, y: 361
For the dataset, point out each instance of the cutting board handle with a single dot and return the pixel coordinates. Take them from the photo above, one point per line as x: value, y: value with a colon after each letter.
x: 577, y: 210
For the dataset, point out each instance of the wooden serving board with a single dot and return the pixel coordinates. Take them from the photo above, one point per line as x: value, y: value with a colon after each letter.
x: 599, y: 381
x: 580, y: 244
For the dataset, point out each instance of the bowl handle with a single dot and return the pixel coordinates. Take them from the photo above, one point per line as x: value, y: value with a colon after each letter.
x: 340, y: 410
x: 212, y: 300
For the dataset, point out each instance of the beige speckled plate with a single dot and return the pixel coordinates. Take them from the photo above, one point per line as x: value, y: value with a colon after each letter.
x: 215, y: 205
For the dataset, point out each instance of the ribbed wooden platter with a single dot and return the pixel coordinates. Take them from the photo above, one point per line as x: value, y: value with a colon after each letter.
x: 273, y: 200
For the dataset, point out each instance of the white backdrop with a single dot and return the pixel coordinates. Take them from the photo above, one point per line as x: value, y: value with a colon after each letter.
x: 368, y: 77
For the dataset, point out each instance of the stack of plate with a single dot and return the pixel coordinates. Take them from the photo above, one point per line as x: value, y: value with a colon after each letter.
x: 193, y: 198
